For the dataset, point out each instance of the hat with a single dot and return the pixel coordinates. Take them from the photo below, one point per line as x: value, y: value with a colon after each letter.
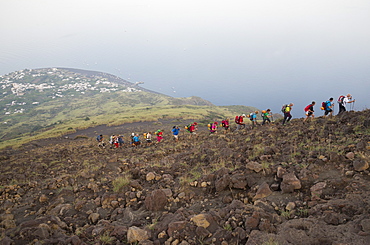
x: 243, y: 115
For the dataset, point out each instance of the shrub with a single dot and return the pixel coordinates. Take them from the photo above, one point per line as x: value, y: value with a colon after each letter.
x: 121, y: 182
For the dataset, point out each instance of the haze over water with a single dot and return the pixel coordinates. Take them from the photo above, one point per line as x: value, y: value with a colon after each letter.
x: 259, y: 53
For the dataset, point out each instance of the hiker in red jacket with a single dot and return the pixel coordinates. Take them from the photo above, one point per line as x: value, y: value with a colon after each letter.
x: 240, y: 122
x: 226, y: 125
x: 309, y: 111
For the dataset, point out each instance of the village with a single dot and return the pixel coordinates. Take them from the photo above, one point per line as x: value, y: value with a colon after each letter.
x: 42, y: 81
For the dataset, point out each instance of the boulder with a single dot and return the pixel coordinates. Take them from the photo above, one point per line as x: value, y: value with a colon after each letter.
x: 176, y: 226
x: 205, y: 220
x: 365, y: 224
x: 156, y: 200
x: 252, y: 222
x: 202, y: 232
x: 290, y: 183
x: 263, y: 191
x: 350, y: 155
x: 239, y: 181
x: 93, y: 218
x: 254, y: 166
x: 150, y: 176
x: 360, y: 165
x: 223, y: 183
x: 290, y: 206
x: 135, y: 234
x: 200, y: 220
x: 316, y: 190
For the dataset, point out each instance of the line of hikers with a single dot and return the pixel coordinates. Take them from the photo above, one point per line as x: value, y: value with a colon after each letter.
x: 117, y: 141
x: 328, y: 106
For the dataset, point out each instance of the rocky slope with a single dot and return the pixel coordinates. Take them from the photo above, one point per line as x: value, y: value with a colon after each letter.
x: 295, y: 184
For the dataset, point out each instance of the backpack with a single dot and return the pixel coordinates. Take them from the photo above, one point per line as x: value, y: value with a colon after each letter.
x: 209, y: 125
x: 323, y: 105
x: 237, y: 119
x: 187, y: 127
x: 283, y: 108
x: 307, y: 108
x: 340, y: 99
x: 223, y: 123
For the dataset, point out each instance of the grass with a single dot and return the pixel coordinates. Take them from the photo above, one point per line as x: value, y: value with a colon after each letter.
x: 153, y: 224
x: 106, y: 239
x: 303, y: 212
x: 257, y: 151
x: 265, y: 165
x: 121, y: 182
x: 228, y: 227
x: 285, y: 214
x: 69, y: 122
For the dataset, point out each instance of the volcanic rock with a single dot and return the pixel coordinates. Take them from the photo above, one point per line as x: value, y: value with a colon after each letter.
x: 290, y: 183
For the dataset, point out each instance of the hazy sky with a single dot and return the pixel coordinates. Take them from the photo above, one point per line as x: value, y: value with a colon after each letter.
x: 262, y: 53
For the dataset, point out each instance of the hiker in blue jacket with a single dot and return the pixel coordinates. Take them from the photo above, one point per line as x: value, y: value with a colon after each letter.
x: 175, y: 131
x: 329, y: 107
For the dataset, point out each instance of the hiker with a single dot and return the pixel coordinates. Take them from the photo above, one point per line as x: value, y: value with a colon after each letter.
x: 253, y: 118
x: 120, y: 140
x: 226, y: 124
x: 213, y: 128
x: 159, y: 134
x: 286, y: 110
x: 136, y: 140
x: 175, y: 132
x: 266, y: 116
x: 148, y: 138
x: 309, y: 111
x: 99, y: 138
x: 111, y: 139
x: 192, y: 128
x: 343, y: 101
x: 115, y: 142
x: 132, y: 138
x: 328, y: 107
x: 239, y: 120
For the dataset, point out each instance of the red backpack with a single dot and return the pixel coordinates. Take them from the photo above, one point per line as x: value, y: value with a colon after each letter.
x: 307, y: 108
x: 237, y: 119
x: 340, y: 99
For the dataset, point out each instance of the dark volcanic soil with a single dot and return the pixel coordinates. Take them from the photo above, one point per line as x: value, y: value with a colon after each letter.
x: 304, y: 183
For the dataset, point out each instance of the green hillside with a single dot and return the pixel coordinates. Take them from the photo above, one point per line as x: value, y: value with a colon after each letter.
x: 51, y: 102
